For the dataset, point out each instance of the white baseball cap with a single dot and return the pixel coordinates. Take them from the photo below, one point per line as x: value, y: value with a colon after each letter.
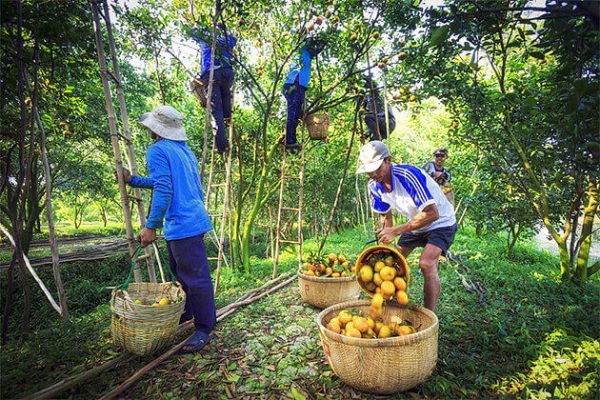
x: 166, y: 122
x: 371, y: 156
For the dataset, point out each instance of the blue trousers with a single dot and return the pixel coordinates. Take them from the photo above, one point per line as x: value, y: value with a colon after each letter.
x: 188, y: 261
x: 294, y: 94
x: 220, y: 103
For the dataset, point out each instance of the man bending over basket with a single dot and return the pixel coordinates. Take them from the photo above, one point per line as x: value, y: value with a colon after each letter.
x: 414, y: 194
x: 178, y: 198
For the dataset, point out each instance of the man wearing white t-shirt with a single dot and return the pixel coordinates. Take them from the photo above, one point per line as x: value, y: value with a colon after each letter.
x: 413, y: 193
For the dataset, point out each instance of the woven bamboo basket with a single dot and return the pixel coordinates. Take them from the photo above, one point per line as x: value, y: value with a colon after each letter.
x: 317, y: 125
x: 143, y: 328
x: 325, y: 292
x: 197, y: 87
x: 401, y: 264
x: 382, y: 366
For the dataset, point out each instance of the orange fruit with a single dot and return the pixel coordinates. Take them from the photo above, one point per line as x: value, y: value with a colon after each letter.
x: 309, y: 273
x: 404, y: 330
x: 371, y: 323
x: 344, y: 317
x: 334, y: 327
x: 375, y: 312
x: 402, y: 297
x: 384, y: 332
x: 328, y: 271
x: 377, y: 279
x: 342, y: 259
x: 399, y: 283
x: 366, y: 273
x: 371, y: 287
x: 332, y: 257
x: 379, y: 265
x: 378, y: 326
x: 361, y: 324
x: 377, y: 300
x: 389, y: 261
x: 353, y: 332
x: 388, y: 289
x: 387, y: 273
x: 335, y: 275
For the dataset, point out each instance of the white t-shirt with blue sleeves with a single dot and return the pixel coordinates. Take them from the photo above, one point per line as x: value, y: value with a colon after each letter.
x: 412, y: 190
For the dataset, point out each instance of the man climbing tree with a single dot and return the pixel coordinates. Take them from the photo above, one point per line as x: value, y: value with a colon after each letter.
x: 222, y: 78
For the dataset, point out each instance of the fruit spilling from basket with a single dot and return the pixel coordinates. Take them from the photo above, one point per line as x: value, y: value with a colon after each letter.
x: 353, y: 324
x: 384, y: 276
x: 332, y: 266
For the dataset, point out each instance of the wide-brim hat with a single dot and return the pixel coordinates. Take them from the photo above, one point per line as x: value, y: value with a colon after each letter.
x: 372, y: 156
x: 166, y: 122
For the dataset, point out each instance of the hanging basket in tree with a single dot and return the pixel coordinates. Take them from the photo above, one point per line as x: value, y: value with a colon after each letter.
x: 199, y: 89
x: 317, y: 125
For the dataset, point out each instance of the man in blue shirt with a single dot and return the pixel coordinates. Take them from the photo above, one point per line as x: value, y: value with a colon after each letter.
x: 177, y: 198
x: 222, y: 78
x: 414, y: 194
x: 294, y: 90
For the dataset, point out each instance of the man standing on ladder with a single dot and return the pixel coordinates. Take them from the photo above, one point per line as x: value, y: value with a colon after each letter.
x: 294, y: 90
x: 178, y: 198
x: 375, y: 113
x: 222, y: 79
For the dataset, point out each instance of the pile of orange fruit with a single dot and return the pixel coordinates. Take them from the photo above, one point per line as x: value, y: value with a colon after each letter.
x: 381, y: 274
x: 352, y: 323
x: 332, y: 266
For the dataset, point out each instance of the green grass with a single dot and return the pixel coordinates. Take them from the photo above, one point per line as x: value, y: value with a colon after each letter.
x: 533, y: 337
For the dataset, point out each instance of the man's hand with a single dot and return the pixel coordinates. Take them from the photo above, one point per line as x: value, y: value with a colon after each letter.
x: 387, y: 235
x: 147, y: 236
x: 126, y: 175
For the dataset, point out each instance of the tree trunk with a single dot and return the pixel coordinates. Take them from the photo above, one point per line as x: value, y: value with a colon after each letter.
x: 582, y: 272
x: 10, y: 283
x: 258, y: 200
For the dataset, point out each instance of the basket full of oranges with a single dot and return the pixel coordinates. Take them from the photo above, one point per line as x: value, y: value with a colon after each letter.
x: 382, y: 269
x: 329, y: 280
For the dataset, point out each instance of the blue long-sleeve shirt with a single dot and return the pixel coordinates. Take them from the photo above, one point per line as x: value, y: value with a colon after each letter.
x: 177, y: 196
x: 300, y: 69
x: 224, y: 44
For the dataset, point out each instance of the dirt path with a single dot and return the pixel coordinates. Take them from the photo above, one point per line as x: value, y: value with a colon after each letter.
x: 544, y: 241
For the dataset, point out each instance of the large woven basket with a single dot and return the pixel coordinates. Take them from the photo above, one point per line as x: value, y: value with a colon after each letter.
x: 145, y: 328
x: 382, y: 366
x: 324, y: 292
x: 317, y: 125
x: 197, y: 87
x: 402, y: 265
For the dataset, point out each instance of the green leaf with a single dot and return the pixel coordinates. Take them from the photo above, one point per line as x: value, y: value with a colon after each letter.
x: 296, y: 395
x: 233, y: 378
x: 439, y: 35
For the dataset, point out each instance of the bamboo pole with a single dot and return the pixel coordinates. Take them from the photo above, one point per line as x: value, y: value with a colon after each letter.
x: 127, y: 135
x: 300, y: 198
x: 279, y: 212
x: 114, y: 137
x: 211, y: 75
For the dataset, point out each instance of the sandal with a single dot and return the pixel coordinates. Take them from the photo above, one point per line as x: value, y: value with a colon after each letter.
x: 195, y: 343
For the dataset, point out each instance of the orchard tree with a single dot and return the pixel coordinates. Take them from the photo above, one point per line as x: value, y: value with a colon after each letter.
x: 523, y: 83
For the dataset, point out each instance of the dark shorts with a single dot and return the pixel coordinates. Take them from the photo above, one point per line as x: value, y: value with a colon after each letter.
x: 440, y: 237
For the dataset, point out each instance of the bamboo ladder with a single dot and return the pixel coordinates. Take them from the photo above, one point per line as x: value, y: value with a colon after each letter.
x: 285, y: 176
x: 101, y: 14
x: 217, y: 180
